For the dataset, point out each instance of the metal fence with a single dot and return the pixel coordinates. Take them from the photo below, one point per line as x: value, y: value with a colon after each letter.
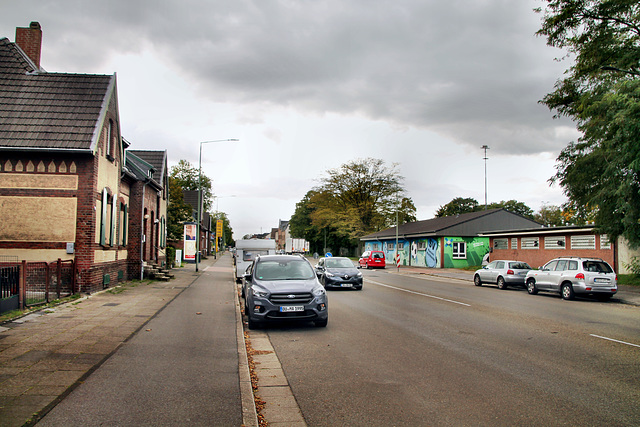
x: 34, y: 283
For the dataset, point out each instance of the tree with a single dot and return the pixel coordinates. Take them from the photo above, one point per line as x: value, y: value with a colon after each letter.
x: 600, y: 172
x: 550, y: 215
x: 513, y: 206
x: 458, y: 206
x: 183, y: 176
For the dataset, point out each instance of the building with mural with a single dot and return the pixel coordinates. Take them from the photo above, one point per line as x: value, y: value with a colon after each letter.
x: 447, y: 242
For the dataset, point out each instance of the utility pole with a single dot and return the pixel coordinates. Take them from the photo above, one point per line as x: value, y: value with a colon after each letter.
x: 485, y: 148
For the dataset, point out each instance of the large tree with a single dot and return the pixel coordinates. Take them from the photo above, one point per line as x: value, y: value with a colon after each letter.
x: 600, y: 91
x: 457, y: 206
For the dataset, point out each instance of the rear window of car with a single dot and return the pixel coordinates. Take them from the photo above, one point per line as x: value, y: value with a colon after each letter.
x: 284, y: 270
x: 596, y: 267
x: 519, y: 266
x: 378, y: 255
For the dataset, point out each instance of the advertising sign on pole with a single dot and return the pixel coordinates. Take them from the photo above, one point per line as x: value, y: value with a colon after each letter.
x: 190, y: 231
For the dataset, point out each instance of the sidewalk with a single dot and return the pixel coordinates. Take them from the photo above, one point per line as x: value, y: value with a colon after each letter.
x: 46, y: 354
x: 626, y: 294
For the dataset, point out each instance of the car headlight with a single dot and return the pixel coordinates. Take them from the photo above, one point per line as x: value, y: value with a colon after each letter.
x: 319, y: 291
x: 359, y: 274
x: 329, y: 274
x: 259, y: 292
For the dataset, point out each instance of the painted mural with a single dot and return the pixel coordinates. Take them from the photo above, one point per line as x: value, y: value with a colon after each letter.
x: 419, y: 252
x: 464, y: 251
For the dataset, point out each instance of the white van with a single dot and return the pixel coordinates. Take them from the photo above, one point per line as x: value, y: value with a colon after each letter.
x: 246, y: 251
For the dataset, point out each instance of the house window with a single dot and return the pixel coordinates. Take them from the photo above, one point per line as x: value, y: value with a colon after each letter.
x: 422, y: 245
x: 110, y: 145
x: 583, y: 242
x: 514, y: 243
x: 124, y: 220
x: 501, y: 243
x: 554, y: 242
x: 459, y: 250
x: 530, y: 243
x: 376, y: 246
x: 401, y: 246
x: 604, y: 242
x: 390, y: 246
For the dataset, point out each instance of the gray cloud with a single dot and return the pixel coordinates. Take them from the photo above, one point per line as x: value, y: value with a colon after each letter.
x: 470, y: 70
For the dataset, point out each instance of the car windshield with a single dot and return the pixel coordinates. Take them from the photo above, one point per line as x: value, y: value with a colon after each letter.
x: 519, y: 266
x: 338, y: 263
x: 284, y: 270
x: 597, y: 267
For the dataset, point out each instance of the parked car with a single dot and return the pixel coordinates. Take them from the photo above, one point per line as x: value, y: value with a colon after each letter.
x: 502, y: 273
x: 283, y: 287
x: 372, y: 259
x: 338, y: 272
x: 572, y: 276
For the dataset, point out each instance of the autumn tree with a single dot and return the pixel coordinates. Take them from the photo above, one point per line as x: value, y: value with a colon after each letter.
x: 458, y: 206
x: 600, y: 92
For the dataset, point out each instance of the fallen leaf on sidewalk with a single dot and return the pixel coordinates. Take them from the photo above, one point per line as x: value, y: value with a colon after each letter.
x: 198, y: 312
x: 148, y: 330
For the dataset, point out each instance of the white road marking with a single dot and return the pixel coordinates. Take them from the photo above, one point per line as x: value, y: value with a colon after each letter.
x: 618, y: 341
x: 418, y: 293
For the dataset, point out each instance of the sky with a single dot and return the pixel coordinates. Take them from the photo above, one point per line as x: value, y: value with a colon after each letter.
x: 309, y: 85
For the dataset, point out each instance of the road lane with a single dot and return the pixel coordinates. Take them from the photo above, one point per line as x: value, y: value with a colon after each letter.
x: 392, y: 357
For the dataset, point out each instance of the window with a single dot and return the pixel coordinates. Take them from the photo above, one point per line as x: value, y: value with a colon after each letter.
x: 109, y: 146
x: 530, y: 243
x: 500, y: 265
x: 514, y: 243
x: 124, y: 220
x: 422, y: 245
x: 108, y: 219
x: 562, y: 265
x: 400, y: 246
x: 376, y: 246
x: 459, y: 250
x: 390, y: 246
x: 604, y: 242
x: 554, y: 242
x: 501, y: 243
x: 583, y: 242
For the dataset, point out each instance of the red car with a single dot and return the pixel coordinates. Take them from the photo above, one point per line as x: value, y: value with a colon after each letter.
x: 372, y: 259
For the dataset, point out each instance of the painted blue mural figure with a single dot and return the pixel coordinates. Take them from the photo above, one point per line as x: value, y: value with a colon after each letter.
x: 431, y: 253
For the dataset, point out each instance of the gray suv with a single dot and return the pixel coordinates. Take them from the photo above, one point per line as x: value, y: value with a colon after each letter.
x: 571, y: 276
x: 283, y: 287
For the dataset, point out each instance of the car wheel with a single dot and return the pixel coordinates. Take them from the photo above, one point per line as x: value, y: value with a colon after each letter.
x: 501, y: 283
x: 366, y: 264
x: 531, y: 287
x: 321, y: 323
x: 567, y: 291
x: 477, y: 281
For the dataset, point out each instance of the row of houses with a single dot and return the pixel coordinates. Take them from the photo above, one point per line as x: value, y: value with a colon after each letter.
x: 70, y: 185
x: 465, y: 240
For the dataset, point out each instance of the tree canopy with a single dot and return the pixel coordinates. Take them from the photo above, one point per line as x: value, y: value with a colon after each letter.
x: 600, y: 91
x: 462, y: 205
x: 358, y: 198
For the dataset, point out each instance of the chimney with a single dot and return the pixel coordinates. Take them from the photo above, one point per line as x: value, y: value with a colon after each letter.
x: 30, y: 41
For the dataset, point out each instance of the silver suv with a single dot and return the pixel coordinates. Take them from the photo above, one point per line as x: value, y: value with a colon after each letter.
x: 573, y: 275
x: 283, y: 287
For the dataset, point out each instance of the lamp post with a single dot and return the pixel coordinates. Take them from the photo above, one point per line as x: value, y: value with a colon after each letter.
x: 485, y: 148
x: 200, y: 194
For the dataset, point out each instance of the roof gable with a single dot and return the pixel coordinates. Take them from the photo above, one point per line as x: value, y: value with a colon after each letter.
x: 49, y: 111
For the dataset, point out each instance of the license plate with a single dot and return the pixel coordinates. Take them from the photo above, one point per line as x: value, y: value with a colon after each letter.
x: 345, y: 285
x: 597, y: 280
x: 288, y: 308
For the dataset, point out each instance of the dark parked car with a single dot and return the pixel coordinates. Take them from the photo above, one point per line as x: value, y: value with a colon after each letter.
x: 372, y: 259
x: 283, y: 287
x: 338, y: 272
x: 502, y: 273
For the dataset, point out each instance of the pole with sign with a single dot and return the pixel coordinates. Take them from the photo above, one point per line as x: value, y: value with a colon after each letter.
x: 218, y: 232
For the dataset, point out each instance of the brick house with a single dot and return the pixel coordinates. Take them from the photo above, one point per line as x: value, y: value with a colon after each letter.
x: 65, y: 192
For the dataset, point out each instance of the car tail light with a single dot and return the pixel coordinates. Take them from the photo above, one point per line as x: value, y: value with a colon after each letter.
x: 580, y: 276
x: 510, y: 272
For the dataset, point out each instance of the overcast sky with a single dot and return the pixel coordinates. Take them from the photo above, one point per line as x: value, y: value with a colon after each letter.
x: 308, y: 85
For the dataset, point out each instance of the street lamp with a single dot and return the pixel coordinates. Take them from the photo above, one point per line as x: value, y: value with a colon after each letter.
x: 485, y: 148
x: 200, y: 194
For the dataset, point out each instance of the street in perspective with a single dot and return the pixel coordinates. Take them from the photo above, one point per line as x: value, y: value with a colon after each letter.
x: 413, y: 347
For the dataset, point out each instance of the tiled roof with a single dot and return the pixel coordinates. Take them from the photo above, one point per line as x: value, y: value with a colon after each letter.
x: 40, y: 110
x: 156, y: 158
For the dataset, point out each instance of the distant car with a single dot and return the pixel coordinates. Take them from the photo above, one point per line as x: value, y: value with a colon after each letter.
x: 502, y: 273
x: 338, y: 272
x: 283, y: 287
x: 570, y: 276
x: 372, y: 259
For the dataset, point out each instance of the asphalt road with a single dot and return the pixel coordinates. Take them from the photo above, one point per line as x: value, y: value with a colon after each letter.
x: 417, y: 351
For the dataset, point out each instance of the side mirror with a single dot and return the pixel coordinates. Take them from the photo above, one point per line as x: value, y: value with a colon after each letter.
x: 247, y: 277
